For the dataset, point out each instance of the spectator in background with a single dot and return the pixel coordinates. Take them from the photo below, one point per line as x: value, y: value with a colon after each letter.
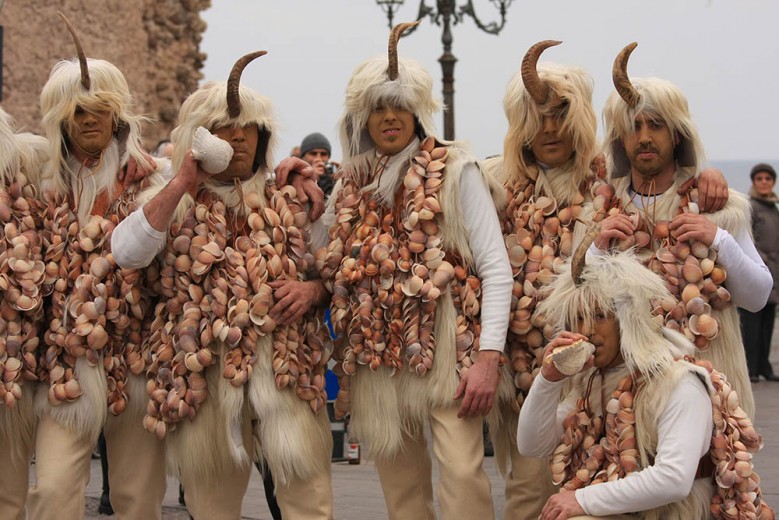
x: 315, y: 150
x: 295, y: 152
x: 757, y: 327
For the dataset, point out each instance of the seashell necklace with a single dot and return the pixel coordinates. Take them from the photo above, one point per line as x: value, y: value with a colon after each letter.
x: 387, y: 269
x: 22, y: 273
x: 598, y: 449
x: 538, y: 234
x: 215, y: 297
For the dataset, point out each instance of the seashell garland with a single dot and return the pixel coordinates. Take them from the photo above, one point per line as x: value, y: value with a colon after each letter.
x: 21, y: 279
x: 97, y: 309
x: 595, y: 450
x: 387, y: 270
x: 538, y: 233
x: 690, y: 270
x: 214, y: 291
x: 213, y: 154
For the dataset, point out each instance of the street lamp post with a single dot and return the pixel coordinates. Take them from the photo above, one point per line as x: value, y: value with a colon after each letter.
x: 446, y: 14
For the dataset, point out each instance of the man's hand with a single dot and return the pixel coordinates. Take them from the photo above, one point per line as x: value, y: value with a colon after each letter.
x: 692, y: 226
x: 135, y: 172
x: 478, y: 385
x: 191, y: 175
x: 617, y: 226
x: 548, y: 369
x: 309, y: 191
x: 561, y: 506
x: 293, y: 165
x: 712, y: 190
x: 294, y: 298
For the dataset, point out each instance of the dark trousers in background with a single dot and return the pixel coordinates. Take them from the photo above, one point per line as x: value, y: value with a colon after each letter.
x: 756, y: 330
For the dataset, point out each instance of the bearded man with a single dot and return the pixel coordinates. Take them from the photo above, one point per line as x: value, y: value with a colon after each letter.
x: 21, y: 307
x: 421, y: 288
x: 709, y: 261
x: 238, y: 357
x: 92, y: 362
x: 549, y: 170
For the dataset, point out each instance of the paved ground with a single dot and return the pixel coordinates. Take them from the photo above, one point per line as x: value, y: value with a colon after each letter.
x: 358, y: 494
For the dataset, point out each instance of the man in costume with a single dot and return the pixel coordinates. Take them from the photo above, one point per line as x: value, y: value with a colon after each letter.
x: 549, y: 170
x: 709, y: 261
x: 237, y: 358
x: 91, y: 364
x: 639, y: 407
x: 21, y: 307
x: 421, y: 287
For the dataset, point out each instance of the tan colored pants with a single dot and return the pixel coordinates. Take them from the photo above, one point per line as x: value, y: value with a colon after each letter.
x: 610, y: 517
x: 136, y: 471
x: 15, y: 455
x: 528, y: 486
x: 307, y: 499
x: 463, y: 487
x: 220, y: 496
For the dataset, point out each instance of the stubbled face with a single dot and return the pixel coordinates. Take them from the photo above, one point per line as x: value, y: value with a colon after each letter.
x: 553, y: 146
x: 90, y: 132
x: 650, y: 146
x: 603, y: 333
x: 391, y: 129
x: 763, y: 184
x: 317, y: 158
x: 243, y: 139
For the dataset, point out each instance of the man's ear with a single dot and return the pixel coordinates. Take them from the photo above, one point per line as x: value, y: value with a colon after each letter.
x: 677, y: 139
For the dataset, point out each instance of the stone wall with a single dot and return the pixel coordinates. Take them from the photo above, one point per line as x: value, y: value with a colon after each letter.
x: 154, y: 42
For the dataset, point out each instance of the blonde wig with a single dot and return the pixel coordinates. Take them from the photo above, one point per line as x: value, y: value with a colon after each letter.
x: 615, y: 284
x: 571, y: 92
x: 64, y: 92
x: 207, y: 107
x: 386, y: 81
x: 9, y: 156
x: 655, y: 98
x: 23, y: 152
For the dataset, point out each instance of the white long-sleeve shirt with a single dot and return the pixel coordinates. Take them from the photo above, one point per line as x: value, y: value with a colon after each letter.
x: 684, y: 429
x: 749, y: 280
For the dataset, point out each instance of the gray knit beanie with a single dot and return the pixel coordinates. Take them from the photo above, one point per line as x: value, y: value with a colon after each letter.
x: 313, y: 141
x: 762, y: 167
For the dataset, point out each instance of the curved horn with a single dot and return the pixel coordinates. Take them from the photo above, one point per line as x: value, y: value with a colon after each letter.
x: 234, y: 82
x: 537, y: 89
x: 392, y: 48
x: 578, y: 259
x: 82, y: 58
x: 619, y: 74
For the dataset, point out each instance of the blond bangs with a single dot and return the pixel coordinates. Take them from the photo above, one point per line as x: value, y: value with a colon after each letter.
x: 574, y: 86
x: 207, y: 107
x: 63, y: 93
x: 370, y: 87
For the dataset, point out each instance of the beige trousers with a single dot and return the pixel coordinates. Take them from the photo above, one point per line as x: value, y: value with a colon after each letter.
x: 610, y: 517
x: 15, y: 455
x: 219, y: 496
x: 528, y: 486
x: 307, y: 499
x: 136, y: 471
x: 463, y: 487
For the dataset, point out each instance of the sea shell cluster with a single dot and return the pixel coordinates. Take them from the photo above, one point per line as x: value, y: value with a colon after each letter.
x: 213, y: 154
x: 690, y: 269
x: 21, y: 286
x: 597, y: 449
x: 734, y: 441
x: 97, y: 309
x: 216, y: 301
x: 538, y: 235
x: 387, y: 268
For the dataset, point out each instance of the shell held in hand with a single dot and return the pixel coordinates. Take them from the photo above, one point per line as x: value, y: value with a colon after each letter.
x: 213, y: 154
x: 569, y: 359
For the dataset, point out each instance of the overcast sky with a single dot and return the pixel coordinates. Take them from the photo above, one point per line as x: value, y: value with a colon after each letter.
x: 723, y: 54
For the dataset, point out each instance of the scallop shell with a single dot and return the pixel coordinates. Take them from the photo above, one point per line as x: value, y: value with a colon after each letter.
x: 213, y: 153
x: 570, y: 359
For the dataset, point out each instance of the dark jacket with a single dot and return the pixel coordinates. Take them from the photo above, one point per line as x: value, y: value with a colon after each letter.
x: 765, y: 228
